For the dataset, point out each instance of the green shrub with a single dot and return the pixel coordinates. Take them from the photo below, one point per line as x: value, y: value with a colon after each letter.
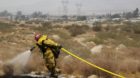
x: 29, y: 22
x: 116, y: 38
x: 107, y: 35
x: 5, y: 27
x: 97, y: 26
x: 76, y: 29
x: 131, y: 27
x: 136, y: 29
x: 45, y: 28
x: 47, y: 24
x: 96, y: 40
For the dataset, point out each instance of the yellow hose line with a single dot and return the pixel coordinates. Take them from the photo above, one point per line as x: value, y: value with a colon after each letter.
x: 107, y: 71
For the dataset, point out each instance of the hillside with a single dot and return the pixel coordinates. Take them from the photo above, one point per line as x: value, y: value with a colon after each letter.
x: 112, y: 46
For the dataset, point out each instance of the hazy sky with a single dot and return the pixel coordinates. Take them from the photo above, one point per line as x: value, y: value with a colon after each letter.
x: 55, y: 6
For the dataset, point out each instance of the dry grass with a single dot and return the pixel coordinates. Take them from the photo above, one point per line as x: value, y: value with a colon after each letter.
x: 5, y: 27
x: 124, y: 62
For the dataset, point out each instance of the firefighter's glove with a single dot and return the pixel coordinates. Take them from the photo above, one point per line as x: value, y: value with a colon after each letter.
x: 60, y: 46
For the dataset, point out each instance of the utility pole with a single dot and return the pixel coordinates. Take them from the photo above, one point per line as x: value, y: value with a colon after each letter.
x: 78, y: 5
x: 65, y: 8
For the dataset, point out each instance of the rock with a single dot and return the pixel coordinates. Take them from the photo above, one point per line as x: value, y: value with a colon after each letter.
x: 80, y: 41
x: 93, y: 76
x: 67, y: 59
x: 97, y: 49
x: 90, y: 44
x: 33, y: 73
x: 1, y: 62
x: 121, y: 46
x: 63, y: 76
x: 13, y: 43
x: 71, y: 76
x: 56, y: 37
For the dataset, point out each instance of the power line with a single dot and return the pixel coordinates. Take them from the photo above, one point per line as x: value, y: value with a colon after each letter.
x: 65, y: 7
x: 78, y: 5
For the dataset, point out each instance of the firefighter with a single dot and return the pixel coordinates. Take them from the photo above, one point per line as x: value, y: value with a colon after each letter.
x: 50, y: 51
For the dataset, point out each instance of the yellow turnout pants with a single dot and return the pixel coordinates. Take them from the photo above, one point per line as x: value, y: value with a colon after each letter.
x: 50, y: 61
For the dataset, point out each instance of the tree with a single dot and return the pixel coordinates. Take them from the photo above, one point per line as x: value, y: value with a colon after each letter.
x: 133, y: 14
x: 81, y: 18
x: 115, y: 16
x: 128, y: 15
x: 36, y: 14
x: 5, y: 13
x: 136, y: 13
x: 20, y: 16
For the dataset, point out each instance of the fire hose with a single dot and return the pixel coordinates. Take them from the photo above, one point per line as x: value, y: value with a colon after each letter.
x: 91, y: 64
